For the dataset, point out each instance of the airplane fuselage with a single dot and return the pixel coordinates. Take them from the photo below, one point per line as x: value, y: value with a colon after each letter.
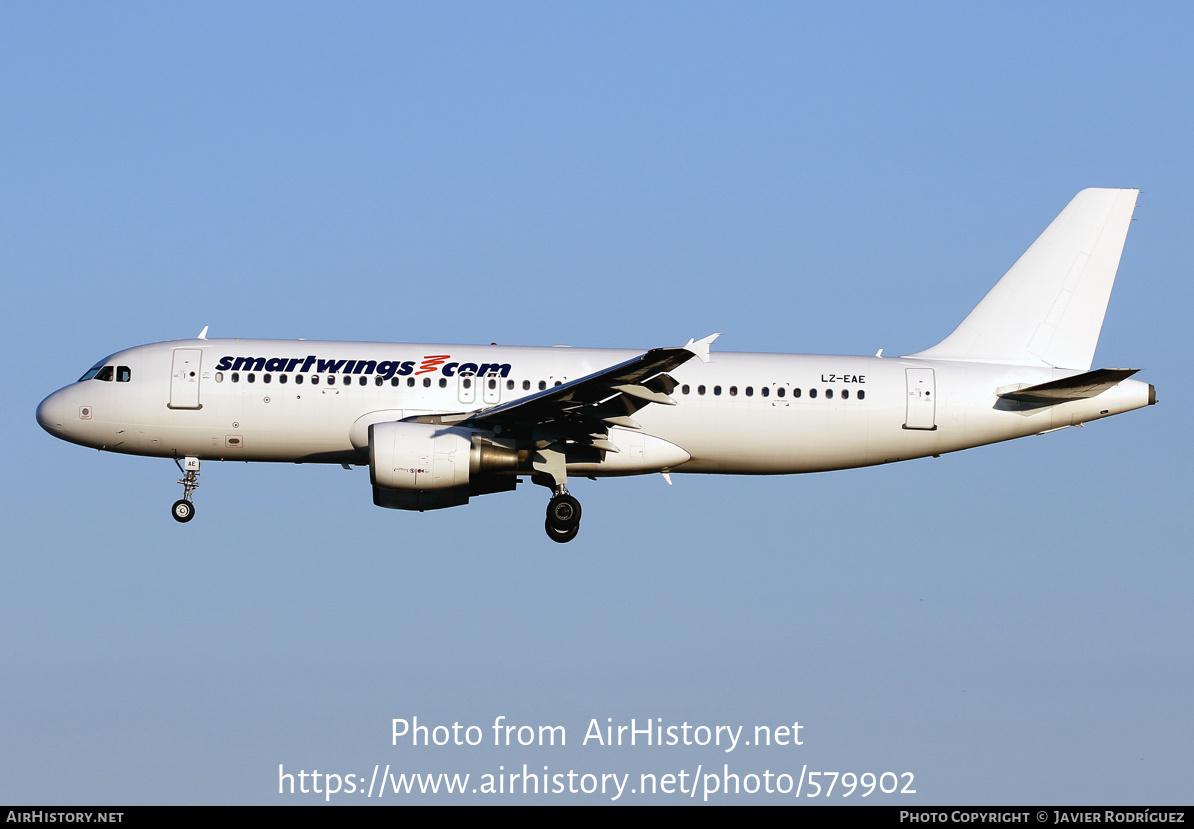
x: 740, y: 413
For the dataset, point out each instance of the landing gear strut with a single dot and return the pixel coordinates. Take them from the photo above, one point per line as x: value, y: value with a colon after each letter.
x: 183, y: 510
x: 563, y: 511
x: 563, y: 517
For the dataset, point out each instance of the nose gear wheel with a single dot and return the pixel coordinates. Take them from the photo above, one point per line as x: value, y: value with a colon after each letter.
x: 183, y: 511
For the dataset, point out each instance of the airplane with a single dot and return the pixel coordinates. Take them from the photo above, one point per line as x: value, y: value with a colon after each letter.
x: 439, y: 424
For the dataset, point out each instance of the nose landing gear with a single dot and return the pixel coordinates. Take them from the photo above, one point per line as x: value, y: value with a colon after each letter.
x: 563, y: 517
x: 183, y: 510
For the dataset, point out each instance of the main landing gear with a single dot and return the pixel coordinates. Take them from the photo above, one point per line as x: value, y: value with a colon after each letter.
x: 563, y: 517
x: 183, y: 510
x: 551, y: 471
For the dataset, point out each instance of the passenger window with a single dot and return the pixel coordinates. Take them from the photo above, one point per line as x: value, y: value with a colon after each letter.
x: 700, y: 389
x: 684, y: 389
x: 493, y: 384
x: 812, y: 392
x: 750, y: 391
x: 298, y: 379
x: 378, y: 381
x: 331, y: 379
x: 393, y: 381
x: 467, y: 383
x: 828, y: 394
x: 219, y: 377
x: 765, y: 391
x: 796, y: 393
x: 364, y: 381
x: 236, y: 377
x: 281, y: 378
x: 123, y: 374
x: 779, y: 392
x: 509, y: 385
x: 410, y: 382
x: 542, y: 385
x: 717, y: 389
x: 426, y: 382
x: 251, y: 377
x: 314, y: 379
x: 265, y: 378
x: 733, y: 391
x: 526, y: 385
x: 845, y: 394
x: 861, y: 394
x: 559, y: 382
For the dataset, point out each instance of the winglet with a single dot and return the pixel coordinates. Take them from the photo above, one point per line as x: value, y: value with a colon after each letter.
x: 203, y: 333
x: 701, y: 347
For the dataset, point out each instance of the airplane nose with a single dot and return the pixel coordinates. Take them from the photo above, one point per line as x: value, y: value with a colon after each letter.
x: 49, y: 413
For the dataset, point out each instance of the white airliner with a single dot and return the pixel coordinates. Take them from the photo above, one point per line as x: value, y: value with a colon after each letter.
x: 438, y: 424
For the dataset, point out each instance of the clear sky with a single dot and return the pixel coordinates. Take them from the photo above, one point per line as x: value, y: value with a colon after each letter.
x: 1011, y: 624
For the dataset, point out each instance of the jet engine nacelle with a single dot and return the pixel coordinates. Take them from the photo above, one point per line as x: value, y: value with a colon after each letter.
x: 422, y: 466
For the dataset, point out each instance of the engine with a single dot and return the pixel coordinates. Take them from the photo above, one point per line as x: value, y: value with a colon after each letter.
x: 422, y: 466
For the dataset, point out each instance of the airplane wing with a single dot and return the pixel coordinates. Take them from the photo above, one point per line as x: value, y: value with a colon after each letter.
x: 581, y: 411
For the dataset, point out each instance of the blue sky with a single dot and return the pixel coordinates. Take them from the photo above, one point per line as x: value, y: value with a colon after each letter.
x: 1012, y: 624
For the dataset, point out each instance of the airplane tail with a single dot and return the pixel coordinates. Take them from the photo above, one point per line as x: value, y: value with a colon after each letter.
x: 1049, y: 308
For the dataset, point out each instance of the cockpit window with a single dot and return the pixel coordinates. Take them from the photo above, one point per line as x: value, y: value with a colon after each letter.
x: 122, y: 374
x: 102, y: 370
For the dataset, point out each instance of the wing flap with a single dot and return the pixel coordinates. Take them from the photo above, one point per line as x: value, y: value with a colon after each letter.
x: 644, y: 393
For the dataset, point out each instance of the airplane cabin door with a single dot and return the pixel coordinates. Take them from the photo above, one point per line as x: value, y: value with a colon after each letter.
x: 922, y: 399
x: 184, y: 379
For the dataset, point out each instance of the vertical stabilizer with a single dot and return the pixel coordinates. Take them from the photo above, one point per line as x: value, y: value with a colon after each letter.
x: 1048, y: 309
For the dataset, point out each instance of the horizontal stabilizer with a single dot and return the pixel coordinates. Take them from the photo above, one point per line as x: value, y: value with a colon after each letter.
x: 1087, y: 384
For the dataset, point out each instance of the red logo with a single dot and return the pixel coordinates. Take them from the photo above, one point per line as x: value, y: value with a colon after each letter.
x: 432, y: 362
